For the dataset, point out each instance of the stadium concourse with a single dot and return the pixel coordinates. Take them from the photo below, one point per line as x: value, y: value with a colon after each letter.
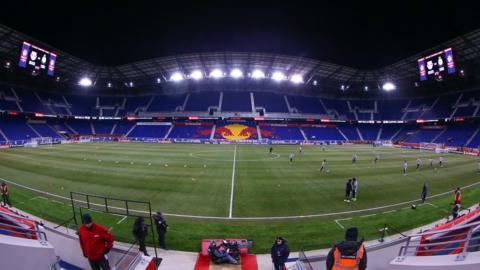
x: 240, y: 151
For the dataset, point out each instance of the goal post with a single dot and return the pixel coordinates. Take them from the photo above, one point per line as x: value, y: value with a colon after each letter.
x: 35, y: 142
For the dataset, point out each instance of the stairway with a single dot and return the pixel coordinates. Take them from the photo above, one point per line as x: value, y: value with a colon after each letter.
x: 168, y: 132
x: 212, y: 135
x: 113, y: 128
x: 473, y: 136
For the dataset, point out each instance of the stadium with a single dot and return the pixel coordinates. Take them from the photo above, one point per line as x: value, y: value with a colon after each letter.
x: 240, y: 144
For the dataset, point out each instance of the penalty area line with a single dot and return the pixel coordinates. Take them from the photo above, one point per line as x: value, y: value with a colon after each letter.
x: 232, y: 185
x: 340, y: 224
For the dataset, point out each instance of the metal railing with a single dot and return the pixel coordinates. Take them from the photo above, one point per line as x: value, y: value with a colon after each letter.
x: 24, y: 230
x: 302, y: 263
x: 129, y: 259
x: 457, y: 240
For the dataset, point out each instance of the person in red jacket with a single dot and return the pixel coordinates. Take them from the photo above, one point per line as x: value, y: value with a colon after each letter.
x: 96, y: 241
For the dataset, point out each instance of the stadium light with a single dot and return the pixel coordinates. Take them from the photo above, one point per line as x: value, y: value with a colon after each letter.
x: 196, y: 75
x: 278, y: 76
x: 296, y: 78
x: 315, y: 82
x: 158, y: 80
x: 236, y: 73
x: 388, y: 86
x: 109, y: 85
x: 130, y: 84
x: 216, y: 73
x: 85, y: 82
x: 176, y: 77
x: 258, y: 74
x: 365, y: 88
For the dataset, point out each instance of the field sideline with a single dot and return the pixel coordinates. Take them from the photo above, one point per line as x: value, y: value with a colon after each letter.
x: 197, y: 180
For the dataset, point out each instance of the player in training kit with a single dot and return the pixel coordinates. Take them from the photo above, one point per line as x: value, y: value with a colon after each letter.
x: 419, y: 163
x: 271, y: 150
x: 323, y: 147
x: 354, y: 158
x: 300, y: 149
x: 354, y: 189
x: 430, y: 162
x: 377, y: 158
x: 405, y: 167
x: 440, y: 162
x: 324, y: 166
x: 290, y: 157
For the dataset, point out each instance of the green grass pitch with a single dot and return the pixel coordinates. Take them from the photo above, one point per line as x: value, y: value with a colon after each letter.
x: 196, y: 180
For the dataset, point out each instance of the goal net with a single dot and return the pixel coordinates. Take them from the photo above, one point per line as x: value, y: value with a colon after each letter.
x: 436, y: 147
x: 35, y: 142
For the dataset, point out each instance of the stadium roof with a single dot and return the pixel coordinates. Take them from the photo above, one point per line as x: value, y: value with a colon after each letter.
x: 466, y: 48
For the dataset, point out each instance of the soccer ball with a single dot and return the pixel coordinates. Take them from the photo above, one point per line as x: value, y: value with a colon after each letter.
x: 413, y: 206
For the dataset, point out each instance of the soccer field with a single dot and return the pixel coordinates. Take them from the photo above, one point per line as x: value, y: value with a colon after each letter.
x: 242, y: 189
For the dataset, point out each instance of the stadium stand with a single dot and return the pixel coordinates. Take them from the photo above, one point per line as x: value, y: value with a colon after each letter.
x: 424, y: 135
x: 303, y: 104
x: 320, y: 133
x: 17, y: 130
x: 44, y: 130
x: 147, y: 130
x: 236, y: 102
x: 349, y: 131
x: 81, y: 127
x: 165, y: 103
x: 201, y: 101
x: 369, y: 132
x: 279, y: 132
x: 270, y: 102
x: 189, y: 131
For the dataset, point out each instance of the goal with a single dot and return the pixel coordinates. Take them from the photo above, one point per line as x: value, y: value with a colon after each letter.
x: 436, y: 147
x: 35, y: 142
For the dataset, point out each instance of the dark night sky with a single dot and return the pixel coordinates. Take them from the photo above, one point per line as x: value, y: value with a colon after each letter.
x: 353, y: 33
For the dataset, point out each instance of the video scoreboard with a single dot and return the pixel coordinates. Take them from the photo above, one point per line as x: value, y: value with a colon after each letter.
x: 37, y: 59
x: 436, y: 65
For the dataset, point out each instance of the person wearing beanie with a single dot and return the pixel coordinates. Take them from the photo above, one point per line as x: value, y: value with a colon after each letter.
x: 348, y: 254
x: 95, y: 241
x: 140, y: 232
x: 162, y: 226
x: 280, y: 253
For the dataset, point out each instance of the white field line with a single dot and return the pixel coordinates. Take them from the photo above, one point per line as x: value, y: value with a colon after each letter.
x: 232, y: 185
x: 251, y: 218
x: 371, y: 215
x: 121, y: 220
x: 339, y: 224
x: 432, y: 205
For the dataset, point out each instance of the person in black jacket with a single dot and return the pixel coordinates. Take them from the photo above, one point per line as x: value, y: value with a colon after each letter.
x: 346, y: 253
x: 162, y: 226
x: 280, y: 253
x: 140, y: 231
x: 348, y: 190
x: 424, y: 192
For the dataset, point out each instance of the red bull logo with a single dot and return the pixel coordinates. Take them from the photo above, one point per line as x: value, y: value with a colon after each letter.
x: 236, y: 132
